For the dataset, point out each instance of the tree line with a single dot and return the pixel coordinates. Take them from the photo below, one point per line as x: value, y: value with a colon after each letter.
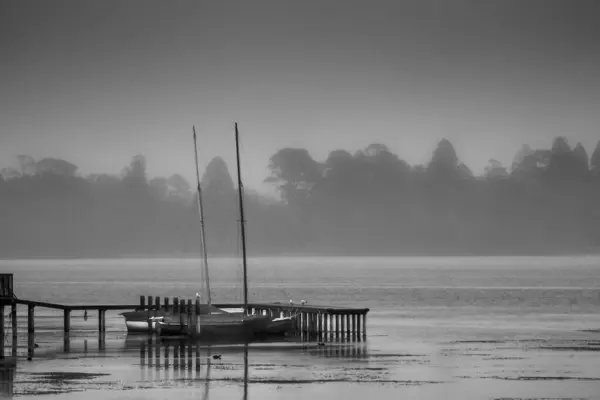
x: 370, y: 202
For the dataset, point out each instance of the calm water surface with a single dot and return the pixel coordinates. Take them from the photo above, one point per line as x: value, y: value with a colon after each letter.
x: 457, y: 328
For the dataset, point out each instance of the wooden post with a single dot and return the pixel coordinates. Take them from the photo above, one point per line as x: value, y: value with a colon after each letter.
x: 150, y: 351
x: 157, y: 303
x: 364, y: 332
x: 190, y: 352
x: 101, y: 320
x: 67, y: 320
x: 337, y: 324
x: 189, y: 315
x: 13, y: 319
x: 295, y: 323
x: 197, y: 309
x: 175, y: 305
x: 176, y: 356
x: 167, y: 308
x: 353, y: 324
x: 30, y: 346
x: 101, y: 341
x: 14, y: 348
x: 198, y: 354
x: 30, y: 318
x: 182, y: 312
x: 325, y: 323
x: 348, y: 327
x: 142, y: 302
x: 304, y: 322
x: 358, y: 320
x: 143, y: 353
x: 150, y: 305
x: 2, y: 332
x: 182, y: 355
x: 157, y: 353
x: 166, y: 345
x: 319, y: 323
x: 342, y: 327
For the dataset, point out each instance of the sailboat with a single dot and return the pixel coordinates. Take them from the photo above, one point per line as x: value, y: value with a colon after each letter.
x: 216, y: 321
x: 266, y: 324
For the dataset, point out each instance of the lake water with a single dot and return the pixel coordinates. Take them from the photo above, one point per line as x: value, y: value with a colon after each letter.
x: 451, y: 328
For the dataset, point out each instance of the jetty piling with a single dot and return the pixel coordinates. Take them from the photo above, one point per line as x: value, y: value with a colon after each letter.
x: 30, y: 318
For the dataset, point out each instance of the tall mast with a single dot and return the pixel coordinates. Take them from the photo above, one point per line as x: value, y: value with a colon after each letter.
x: 242, y: 221
x: 201, y: 212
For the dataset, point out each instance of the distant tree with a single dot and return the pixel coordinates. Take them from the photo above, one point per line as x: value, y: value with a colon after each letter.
x: 495, y: 170
x: 444, y: 156
x: 523, y: 153
x: 135, y: 173
x: 9, y: 173
x: 294, y: 172
x: 566, y: 165
x: 532, y: 166
x: 338, y: 175
x: 55, y: 166
x: 217, y: 180
x: 581, y: 156
x: 26, y: 164
x: 560, y: 146
x: 178, y: 186
x: 444, y: 164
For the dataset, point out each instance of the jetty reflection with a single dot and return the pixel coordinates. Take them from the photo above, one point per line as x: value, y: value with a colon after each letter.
x: 7, y: 378
x: 184, y: 352
x: 184, y: 360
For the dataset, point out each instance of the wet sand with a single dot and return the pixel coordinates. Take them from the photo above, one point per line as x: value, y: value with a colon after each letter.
x: 482, y: 364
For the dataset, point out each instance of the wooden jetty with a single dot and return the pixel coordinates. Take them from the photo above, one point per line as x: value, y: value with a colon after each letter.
x: 307, y: 319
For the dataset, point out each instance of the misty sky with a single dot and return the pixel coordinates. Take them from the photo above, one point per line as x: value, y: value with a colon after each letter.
x: 96, y: 82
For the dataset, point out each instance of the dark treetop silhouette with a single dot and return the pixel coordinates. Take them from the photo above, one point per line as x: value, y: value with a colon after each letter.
x: 370, y: 202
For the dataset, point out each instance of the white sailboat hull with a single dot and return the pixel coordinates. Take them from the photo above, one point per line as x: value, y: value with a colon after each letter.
x: 141, y: 326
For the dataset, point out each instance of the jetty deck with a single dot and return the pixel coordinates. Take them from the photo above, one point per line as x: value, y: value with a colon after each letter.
x: 308, y: 319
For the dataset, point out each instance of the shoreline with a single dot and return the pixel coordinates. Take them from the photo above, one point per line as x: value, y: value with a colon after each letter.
x: 305, y: 255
